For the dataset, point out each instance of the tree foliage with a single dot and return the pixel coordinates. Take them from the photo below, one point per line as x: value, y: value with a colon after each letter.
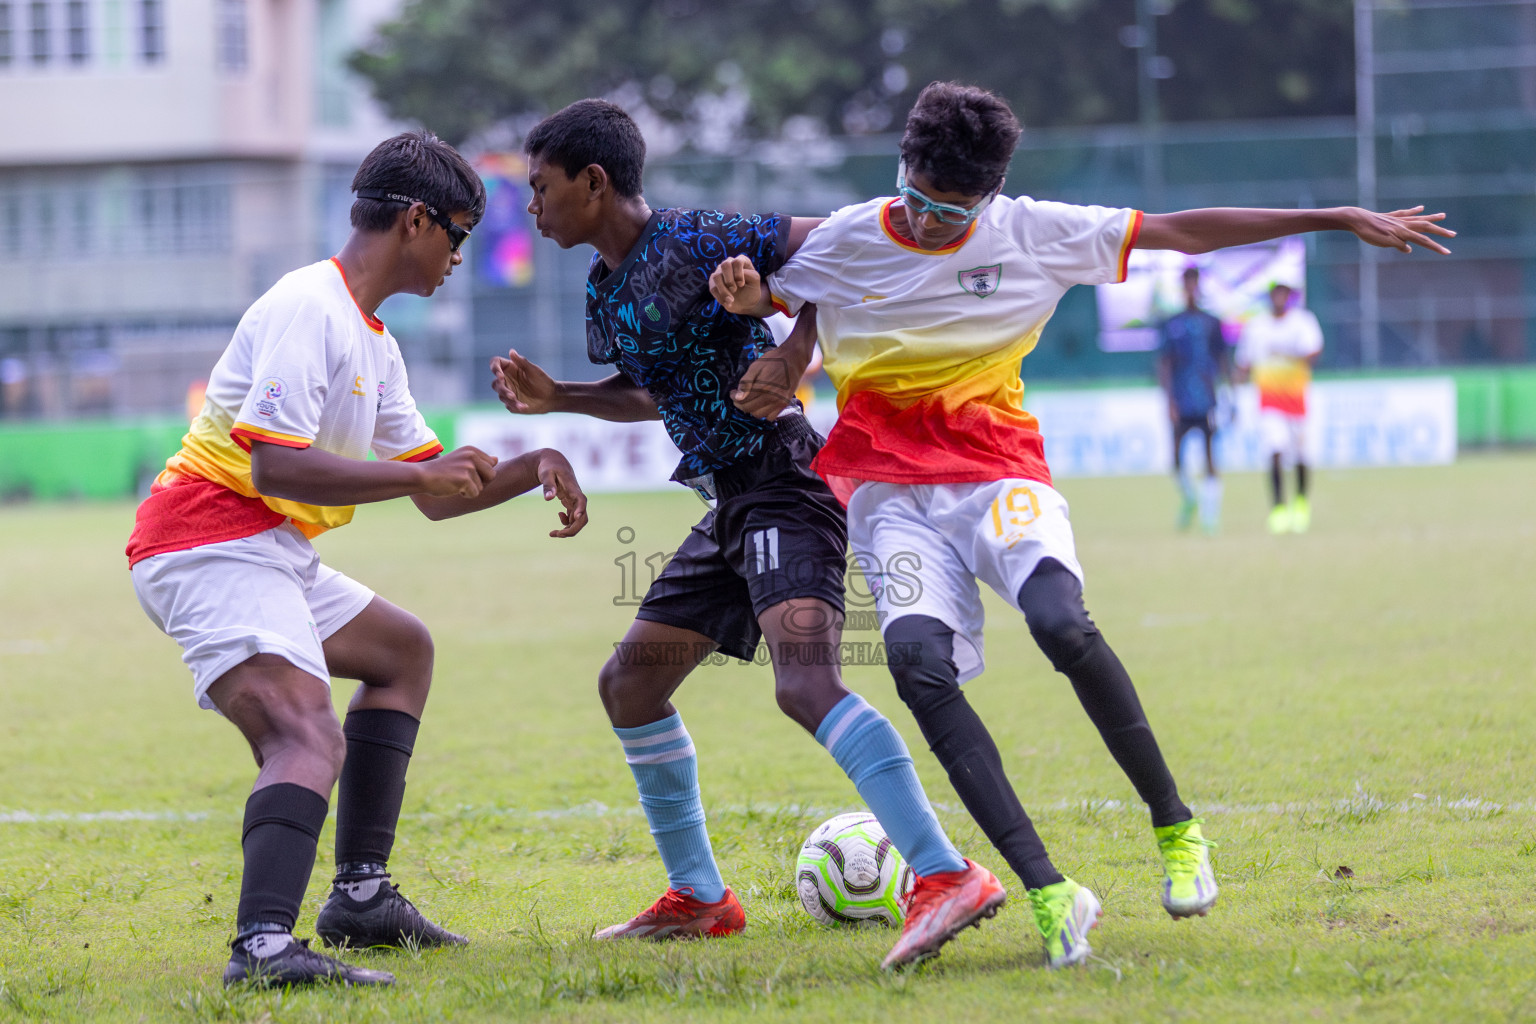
x: 852, y: 65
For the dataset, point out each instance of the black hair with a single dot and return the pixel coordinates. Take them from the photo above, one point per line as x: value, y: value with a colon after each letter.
x: 960, y: 137
x: 592, y: 132
x: 420, y: 165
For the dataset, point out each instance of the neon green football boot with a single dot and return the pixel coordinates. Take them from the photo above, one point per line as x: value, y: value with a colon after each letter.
x: 1280, y: 519
x: 1189, y: 884
x: 1065, y: 913
x: 1301, y: 514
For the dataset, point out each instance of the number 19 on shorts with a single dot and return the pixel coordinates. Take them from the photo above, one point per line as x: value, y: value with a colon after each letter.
x: 1014, y: 513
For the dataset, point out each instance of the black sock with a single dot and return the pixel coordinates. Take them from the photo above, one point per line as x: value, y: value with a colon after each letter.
x: 282, y: 829
x: 1052, y: 600
x: 379, y: 745
x: 1276, y: 483
x: 926, y: 680
x: 1301, y: 479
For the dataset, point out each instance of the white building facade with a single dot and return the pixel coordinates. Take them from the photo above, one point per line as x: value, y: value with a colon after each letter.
x: 162, y: 162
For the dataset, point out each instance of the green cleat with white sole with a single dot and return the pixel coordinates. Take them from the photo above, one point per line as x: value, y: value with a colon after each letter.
x: 1189, y: 884
x: 1065, y: 913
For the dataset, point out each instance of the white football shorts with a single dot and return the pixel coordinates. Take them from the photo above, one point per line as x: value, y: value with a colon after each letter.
x: 923, y: 548
x: 1283, y: 434
x: 227, y: 602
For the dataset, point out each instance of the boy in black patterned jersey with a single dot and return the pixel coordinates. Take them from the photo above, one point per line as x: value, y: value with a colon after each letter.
x: 767, y: 561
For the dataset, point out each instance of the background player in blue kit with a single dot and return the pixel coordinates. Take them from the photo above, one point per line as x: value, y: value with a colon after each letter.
x: 767, y: 561
x: 1195, y: 359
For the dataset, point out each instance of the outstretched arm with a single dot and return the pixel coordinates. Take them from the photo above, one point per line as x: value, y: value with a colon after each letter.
x: 524, y: 388
x: 545, y: 467
x: 1197, y: 231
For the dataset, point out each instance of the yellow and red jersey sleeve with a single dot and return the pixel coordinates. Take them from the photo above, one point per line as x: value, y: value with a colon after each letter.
x: 244, y: 433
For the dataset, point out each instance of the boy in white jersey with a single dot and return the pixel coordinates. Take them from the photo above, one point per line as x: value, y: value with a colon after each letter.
x: 1278, y: 350
x: 221, y: 560
x: 926, y: 303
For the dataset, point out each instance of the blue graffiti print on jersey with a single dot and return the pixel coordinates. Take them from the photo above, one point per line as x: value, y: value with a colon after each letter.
x: 652, y: 317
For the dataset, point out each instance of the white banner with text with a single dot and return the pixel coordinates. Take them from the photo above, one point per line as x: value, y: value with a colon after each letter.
x: 1108, y: 432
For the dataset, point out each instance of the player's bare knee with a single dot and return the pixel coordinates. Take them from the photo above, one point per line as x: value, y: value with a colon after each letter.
x: 806, y: 697
x: 411, y: 651
x: 301, y: 729
x: 615, y: 687
x: 328, y: 741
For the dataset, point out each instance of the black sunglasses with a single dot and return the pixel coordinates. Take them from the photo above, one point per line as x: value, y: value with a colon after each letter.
x: 456, y: 232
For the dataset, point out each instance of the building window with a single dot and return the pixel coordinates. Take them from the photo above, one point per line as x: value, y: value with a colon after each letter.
x: 10, y: 224
x: 79, y: 31
x: 82, y: 223
x: 232, y: 35
x: 42, y: 43
x: 7, y: 40
x: 151, y: 31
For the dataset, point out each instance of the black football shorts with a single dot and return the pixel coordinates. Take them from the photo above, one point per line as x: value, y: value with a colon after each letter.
x: 776, y: 533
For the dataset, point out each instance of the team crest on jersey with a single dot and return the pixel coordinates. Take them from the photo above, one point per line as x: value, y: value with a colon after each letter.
x: 654, y: 314
x: 273, y: 391
x: 981, y: 281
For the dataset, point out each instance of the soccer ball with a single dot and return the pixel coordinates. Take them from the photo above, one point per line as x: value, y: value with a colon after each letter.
x: 849, y: 873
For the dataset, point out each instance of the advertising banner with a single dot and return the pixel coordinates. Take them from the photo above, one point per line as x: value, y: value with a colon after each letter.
x: 1124, y: 431
x: 1109, y: 432
x: 1234, y: 285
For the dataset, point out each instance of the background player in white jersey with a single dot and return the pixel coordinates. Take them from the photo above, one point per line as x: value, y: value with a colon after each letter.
x: 926, y: 302
x: 1278, y: 350
x: 221, y: 560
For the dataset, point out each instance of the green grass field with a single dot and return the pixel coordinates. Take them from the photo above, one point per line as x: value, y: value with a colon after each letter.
x: 1351, y: 710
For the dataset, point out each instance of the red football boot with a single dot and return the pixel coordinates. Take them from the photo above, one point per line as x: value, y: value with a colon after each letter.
x: 939, y: 906
x: 677, y: 915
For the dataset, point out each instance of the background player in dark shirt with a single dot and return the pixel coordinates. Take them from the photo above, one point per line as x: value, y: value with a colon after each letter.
x: 767, y: 561
x: 1195, y: 360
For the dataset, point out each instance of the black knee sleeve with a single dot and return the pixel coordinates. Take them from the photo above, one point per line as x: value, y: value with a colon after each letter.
x: 920, y: 655
x: 1052, y: 602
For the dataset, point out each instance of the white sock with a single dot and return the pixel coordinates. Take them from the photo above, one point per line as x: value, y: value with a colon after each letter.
x: 1210, y: 502
x: 265, y: 944
x: 362, y: 889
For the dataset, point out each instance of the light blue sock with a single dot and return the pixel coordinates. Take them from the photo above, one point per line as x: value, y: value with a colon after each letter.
x: 666, y: 770
x: 868, y: 747
x: 1186, y: 484
x: 1210, y: 503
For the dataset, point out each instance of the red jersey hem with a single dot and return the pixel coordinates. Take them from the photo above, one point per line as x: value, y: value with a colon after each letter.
x: 191, y: 512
